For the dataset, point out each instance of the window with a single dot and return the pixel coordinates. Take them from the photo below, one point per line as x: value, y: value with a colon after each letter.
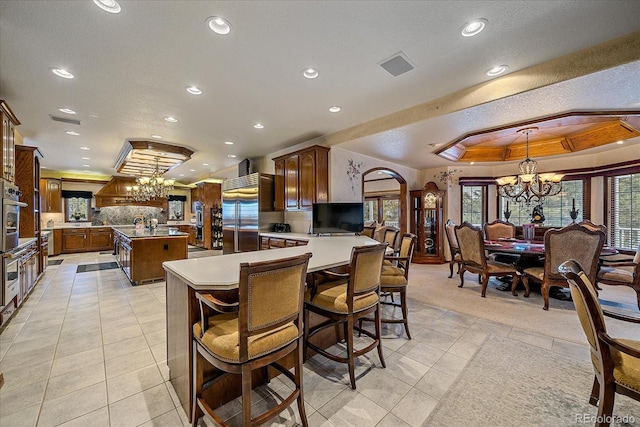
x: 556, y: 209
x: 474, y: 204
x: 624, y: 211
x: 77, y: 209
x: 384, y: 208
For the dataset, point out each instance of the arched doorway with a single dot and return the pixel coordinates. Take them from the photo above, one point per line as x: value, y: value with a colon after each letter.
x: 385, y: 196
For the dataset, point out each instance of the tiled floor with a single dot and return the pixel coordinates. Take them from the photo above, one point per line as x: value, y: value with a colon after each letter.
x: 88, y: 349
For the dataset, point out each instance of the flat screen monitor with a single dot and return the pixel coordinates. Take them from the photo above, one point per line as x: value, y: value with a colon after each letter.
x: 330, y: 218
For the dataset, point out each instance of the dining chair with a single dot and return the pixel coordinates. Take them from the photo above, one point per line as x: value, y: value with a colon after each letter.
x: 471, y: 243
x: 345, y: 299
x: 368, y: 231
x: 616, y: 361
x: 391, y: 237
x: 256, y: 332
x: 395, y: 278
x: 560, y: 244
x: 454, y: 250
x: 624, y: 273
x: 499, y: 229
x: 592, y: 226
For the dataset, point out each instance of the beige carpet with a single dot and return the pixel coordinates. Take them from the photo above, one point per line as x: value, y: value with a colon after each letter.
x: 542, y: 388
x: 429, y: 284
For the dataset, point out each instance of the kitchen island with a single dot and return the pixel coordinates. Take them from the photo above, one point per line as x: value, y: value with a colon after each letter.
x: 141, y: 252
x: 219, y: 275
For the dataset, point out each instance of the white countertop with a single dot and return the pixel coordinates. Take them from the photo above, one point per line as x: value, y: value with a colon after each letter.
x: 222, y: 272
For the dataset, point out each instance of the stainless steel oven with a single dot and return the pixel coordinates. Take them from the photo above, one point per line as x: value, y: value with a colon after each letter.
x: 10, y: 215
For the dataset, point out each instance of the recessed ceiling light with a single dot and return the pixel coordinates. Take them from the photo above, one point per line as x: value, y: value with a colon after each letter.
x: 205, y: 164
x: 60, y: 72
x: 334, y: 109
x: 192, y: 170
x: 171, y: 119
x: 310, y: 73
x: 66, y: 110
x: 474, y: 27
x: 110, y: 6
x: 194, y: 90
x: 86, y: 166
x: 85, y: 148
x: 231, y: 156
x: 156, y: 136
x: 86, y: 158
x: 620, y: 142
x: 228, y: 142
x: 497, y: 70
x: 472, y: 163
x: 181, y: 174
x: 258, y: 126
x: 70, y: 132
x: 219, y: 25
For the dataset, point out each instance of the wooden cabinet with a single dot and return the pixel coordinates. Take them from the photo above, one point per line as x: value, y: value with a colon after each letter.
x: 44, y: 254
x: 302, y: 178
x: 7, y: 133
x: 100, y: 239
x: 50, y: 195
x: 28, y: 266
x: 86, y: 239
x: 27, y: 178
x: 209, y: 196
x: 74, y: 240
x: 426, y: 224
x: 141, y: 258
x: 57, y: 242
x: 280, y: 242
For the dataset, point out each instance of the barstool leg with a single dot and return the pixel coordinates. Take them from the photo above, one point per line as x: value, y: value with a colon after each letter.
x: 378, y: 319
x: 349, y: 337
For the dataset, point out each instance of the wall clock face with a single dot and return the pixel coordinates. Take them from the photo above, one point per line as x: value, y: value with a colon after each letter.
x: 430, y: 201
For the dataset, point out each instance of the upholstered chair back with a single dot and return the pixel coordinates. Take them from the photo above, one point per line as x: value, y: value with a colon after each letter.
x: 588, y: 309
x: 451, y: 235
x: 407, y: 244
x: 572, y: 242
x: 366, y: 268
x: 471, y: 243
x: 368, y: 231
x: 499, y: 230
x: 391, y: 236
x: 593, y: 227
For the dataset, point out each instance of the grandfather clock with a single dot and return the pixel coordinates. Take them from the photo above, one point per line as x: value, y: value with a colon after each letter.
x: 426, y: 223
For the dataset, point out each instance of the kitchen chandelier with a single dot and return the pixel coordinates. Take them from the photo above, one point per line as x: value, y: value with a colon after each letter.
x: 529, y: 186
x: 150, y: 187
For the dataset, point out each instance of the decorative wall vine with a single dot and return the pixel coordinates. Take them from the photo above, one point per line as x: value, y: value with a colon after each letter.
x: 354, y: 173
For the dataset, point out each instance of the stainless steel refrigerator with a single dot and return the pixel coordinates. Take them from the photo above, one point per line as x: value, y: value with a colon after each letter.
x: 247, y: 209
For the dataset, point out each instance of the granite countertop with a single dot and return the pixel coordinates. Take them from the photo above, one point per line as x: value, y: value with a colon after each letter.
x: 89, y: 225
x: 221, y: 272
x: 131, y: 232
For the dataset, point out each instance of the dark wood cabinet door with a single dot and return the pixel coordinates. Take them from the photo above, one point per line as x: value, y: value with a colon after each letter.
x: 74, y: 242
x: 291, y: 184
x: 54, y: 195
x: 307, y: 179
x: 100, y: 240
x: 279, y: 185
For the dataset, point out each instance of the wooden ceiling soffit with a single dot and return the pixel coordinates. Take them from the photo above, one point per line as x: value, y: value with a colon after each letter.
x: 139, y: 156
x: 555, y: 135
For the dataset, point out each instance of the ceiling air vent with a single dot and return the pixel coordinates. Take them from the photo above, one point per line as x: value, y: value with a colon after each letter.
x: 397, y: 64
x: 64, y: 120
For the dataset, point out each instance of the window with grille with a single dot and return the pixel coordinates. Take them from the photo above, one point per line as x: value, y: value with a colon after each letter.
x: 474, y: 204
x: 556, y: 209
x: 624, y: 211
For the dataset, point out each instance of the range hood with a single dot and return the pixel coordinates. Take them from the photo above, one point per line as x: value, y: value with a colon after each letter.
x: 114, y: 193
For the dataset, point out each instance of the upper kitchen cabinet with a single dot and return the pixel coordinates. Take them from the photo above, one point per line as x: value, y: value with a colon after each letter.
x: 302, y: 178
x: 9, y: 122
x: 114, y: 193
x: 208, y: 194
x: 50, y: 195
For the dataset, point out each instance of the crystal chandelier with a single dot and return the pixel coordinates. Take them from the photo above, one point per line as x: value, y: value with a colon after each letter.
x: 150, y: 187
x: 529, y: 186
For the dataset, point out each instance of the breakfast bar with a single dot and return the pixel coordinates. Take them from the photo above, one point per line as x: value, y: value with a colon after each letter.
x: 219, y: 275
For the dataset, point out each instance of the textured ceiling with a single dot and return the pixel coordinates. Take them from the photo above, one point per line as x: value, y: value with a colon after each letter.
x: 132, y: 69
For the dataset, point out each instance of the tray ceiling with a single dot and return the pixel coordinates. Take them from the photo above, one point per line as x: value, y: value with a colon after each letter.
x: 140, y: 157
x: 553, y: 135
